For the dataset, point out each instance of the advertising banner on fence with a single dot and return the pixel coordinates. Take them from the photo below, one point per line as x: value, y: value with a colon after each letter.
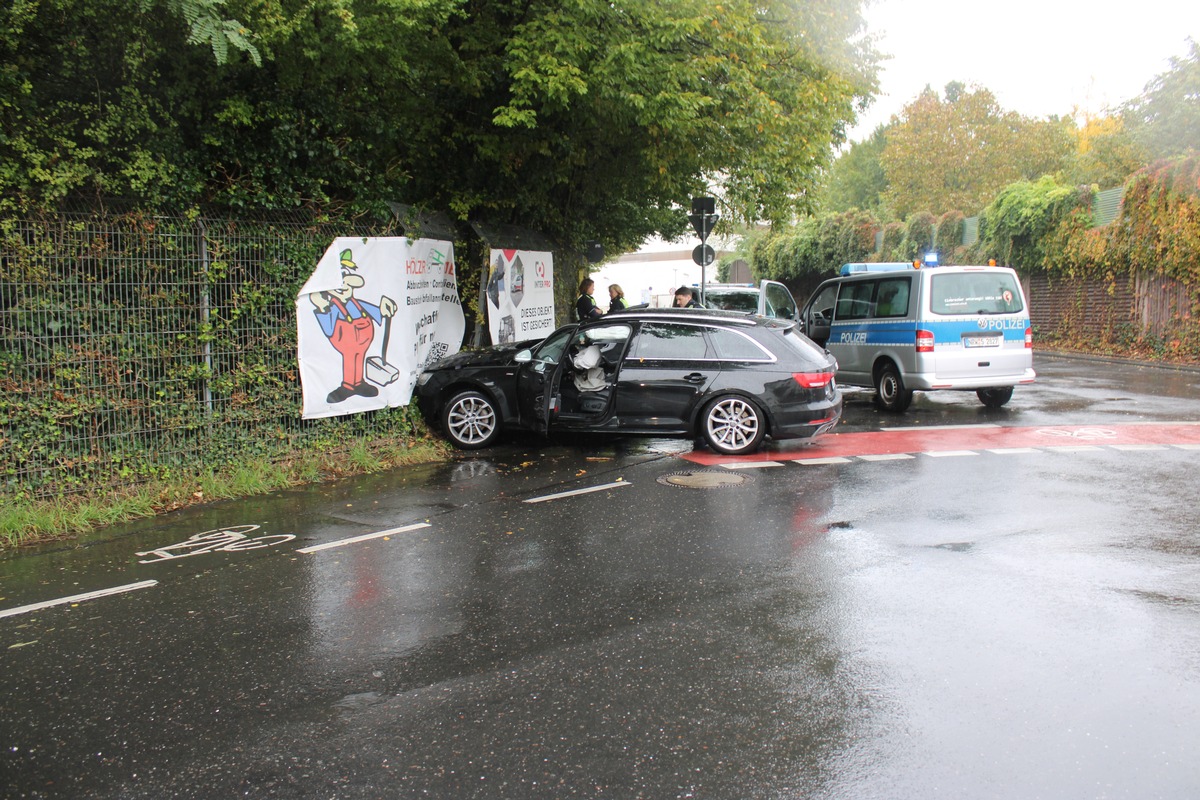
x: 520, y: 295
x: 373, y: 313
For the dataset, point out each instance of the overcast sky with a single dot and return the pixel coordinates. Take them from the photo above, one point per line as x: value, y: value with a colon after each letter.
x: 1039, y: 57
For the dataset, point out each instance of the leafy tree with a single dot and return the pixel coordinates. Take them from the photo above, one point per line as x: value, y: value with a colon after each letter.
x: 585, y: 119
x: 1165, y: 118
x: 208, y: 27
x: 1106, y: 155
x: 857, y: 179
x: 957, y: 153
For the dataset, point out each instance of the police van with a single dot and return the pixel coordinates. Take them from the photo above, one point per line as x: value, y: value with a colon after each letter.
x: 914, y: 326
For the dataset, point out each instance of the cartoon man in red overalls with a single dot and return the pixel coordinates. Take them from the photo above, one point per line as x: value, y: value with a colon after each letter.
x: 349, y: 324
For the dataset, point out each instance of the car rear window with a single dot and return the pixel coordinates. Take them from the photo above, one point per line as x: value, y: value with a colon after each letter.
x: 803, y: 345
x: 975, y: 293
x: 735, y: 346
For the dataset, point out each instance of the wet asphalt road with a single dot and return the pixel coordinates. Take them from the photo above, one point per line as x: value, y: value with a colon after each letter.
x: 1005, y: 624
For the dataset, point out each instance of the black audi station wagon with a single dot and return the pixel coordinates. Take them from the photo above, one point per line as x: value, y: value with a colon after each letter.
x: 725, y: 377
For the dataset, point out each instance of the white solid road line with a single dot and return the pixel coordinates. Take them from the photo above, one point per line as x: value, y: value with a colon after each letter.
x: 364, y: 538
x: 77, y: 598
x: 589, y: 490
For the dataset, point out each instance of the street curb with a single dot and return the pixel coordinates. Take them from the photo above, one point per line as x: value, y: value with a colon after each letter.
x: 1116, y: 360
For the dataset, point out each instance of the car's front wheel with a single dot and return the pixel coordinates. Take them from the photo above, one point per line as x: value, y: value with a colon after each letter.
x: 995, y: 396
x: 890, y: 394
x: 471, y: 420
x: 733, y: 425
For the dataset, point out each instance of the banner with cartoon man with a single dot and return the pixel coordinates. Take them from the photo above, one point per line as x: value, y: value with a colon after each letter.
x: 373, y: 313
x: 520, y: 295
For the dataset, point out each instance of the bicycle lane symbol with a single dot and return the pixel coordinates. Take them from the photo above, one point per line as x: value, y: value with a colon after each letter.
x: 1081, y: 434
x: 232, y: 539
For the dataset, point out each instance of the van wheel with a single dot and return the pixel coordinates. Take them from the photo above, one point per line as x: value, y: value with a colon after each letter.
x: 995, y: 397
x: 890, y: 394
x: 733, y: 425
x: 471, y: 420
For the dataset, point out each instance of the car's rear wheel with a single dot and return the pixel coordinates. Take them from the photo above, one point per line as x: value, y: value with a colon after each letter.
x: 995, y: 396
x: 733, y: 425
x: 471, y: 420
x: 890, y: 394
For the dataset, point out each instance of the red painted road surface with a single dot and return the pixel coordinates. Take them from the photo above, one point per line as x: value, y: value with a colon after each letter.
x: 972, y: 437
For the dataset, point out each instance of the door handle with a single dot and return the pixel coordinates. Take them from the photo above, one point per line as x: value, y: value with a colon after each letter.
x: 695, y: 377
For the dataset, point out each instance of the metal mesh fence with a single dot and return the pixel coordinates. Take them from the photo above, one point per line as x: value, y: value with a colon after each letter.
x: 135, y: 347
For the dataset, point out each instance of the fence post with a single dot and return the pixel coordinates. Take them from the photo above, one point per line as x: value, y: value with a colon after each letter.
x: 205, y: 315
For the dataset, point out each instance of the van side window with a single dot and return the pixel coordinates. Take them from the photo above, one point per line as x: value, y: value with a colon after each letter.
x: 893, y: 297
x: 855, y: 300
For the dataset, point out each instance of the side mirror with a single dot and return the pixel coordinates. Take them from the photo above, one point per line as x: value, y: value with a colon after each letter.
x: 523, y: 357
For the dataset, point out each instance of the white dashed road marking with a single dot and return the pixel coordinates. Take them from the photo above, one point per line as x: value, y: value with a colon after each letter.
x: 574, y: 492
x: 364, y: 538
x: 78, y: 598
x: 752, y: 465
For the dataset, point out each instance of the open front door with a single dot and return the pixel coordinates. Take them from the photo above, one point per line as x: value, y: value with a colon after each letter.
x: 538, y: 379
x: 775, y: 300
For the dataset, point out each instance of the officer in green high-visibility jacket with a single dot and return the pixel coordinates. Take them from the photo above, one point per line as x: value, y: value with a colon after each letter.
x: 585, y: 306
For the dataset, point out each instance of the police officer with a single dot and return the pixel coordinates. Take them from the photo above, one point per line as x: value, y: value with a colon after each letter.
x: 616, y: 298
x: 685, y: 298
x: 585, y: 306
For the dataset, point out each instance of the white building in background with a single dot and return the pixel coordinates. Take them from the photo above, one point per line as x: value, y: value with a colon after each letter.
x: 652, y: 274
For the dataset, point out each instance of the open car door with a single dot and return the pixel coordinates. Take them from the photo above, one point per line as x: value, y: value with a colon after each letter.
x: 538, y: 379
x: 775, y: 300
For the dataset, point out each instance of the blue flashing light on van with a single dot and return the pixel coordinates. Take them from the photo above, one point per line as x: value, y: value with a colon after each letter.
x: 878, y: 266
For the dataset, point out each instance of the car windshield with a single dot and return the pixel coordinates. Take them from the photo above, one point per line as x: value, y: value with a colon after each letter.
x: 552, y: 348
x: 975, y: 293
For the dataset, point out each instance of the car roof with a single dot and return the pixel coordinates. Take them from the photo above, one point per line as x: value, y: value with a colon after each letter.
x: 709, y: 315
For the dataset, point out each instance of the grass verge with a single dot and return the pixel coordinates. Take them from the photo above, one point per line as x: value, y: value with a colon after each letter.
x: 30, y: 521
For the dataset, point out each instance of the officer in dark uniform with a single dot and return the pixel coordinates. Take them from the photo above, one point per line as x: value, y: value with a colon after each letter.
x: 685, y: 298
x: 616, y: 298
x: 585, y: 306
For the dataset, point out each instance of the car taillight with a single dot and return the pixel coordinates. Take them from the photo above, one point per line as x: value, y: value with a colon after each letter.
x: 1029, y: 338
x: 924, y: 341
x: 812, y: 380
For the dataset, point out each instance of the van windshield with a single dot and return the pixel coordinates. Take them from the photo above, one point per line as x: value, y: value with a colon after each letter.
x: 975, y: 293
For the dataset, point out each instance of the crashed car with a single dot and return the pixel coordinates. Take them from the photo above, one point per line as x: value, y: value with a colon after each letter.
x: 729, y: 379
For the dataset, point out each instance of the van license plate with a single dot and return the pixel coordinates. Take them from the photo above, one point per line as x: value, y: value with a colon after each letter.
x: 981, y: 341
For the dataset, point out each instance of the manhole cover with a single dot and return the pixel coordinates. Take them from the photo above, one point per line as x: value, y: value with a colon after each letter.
x: 704, y: 480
